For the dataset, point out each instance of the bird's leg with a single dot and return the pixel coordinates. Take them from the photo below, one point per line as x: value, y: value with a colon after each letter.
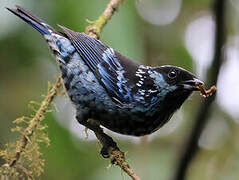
x: 107, y: 142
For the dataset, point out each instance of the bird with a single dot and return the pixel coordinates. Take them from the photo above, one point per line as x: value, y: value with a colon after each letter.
x: 118, y: 93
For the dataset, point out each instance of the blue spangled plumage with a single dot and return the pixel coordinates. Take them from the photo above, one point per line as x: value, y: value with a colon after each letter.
x: 118, y: 93
x: 103, y: 62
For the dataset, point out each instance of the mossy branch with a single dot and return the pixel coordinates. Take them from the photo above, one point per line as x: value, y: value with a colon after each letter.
x: 23, y: 158
x: 35, y: 121
x: 96, y: 28
x: 27, y: 148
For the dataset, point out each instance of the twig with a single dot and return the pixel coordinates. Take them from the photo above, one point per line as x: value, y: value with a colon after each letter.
x: 117, y: 157
x: 95, y: 29
x: 204, y: 110
x: 36, y: 120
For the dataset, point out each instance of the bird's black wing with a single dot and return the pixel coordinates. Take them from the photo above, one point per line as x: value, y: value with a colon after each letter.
x: 104, y: 63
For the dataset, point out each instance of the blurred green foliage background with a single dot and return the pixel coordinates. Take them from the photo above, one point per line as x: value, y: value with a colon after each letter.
x: 26, y: 65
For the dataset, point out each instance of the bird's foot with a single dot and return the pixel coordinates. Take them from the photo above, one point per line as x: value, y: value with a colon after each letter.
x: 108, y: 148
x: 108, y: 145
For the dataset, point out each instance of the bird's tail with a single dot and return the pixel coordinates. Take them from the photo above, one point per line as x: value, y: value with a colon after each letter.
x: 32, y: 20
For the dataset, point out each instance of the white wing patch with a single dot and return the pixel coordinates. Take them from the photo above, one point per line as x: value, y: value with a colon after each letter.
x: 143, y: 73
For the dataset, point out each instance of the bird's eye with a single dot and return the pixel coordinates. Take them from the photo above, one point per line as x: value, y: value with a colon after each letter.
x: 172, y: 74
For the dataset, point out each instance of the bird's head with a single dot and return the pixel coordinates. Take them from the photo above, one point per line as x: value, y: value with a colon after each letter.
x: 177, y: 83
x: 179, y: 78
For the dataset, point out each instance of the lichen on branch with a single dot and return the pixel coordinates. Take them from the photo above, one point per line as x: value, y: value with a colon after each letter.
x: 23, y: 158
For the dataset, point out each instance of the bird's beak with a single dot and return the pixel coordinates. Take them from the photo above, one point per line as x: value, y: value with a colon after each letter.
x: 192, y: 84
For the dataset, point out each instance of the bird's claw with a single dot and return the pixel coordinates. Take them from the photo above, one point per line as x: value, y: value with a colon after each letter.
x: 106, y: 149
